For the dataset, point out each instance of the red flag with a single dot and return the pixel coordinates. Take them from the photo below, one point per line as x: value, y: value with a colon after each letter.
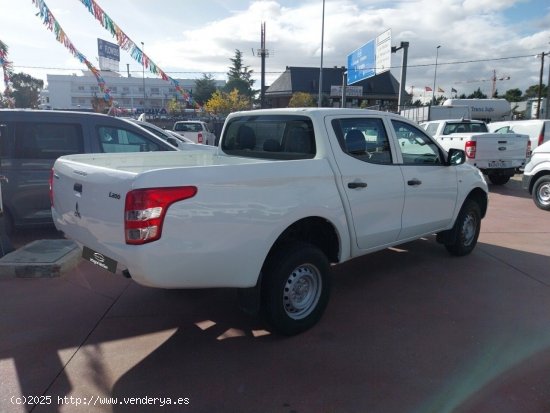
x: 427, y: 89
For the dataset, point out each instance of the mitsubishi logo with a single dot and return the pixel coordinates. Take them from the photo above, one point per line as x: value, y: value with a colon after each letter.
x: 77, y: 212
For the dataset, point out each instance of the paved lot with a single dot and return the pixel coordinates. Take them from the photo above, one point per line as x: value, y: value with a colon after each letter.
x: 407, y: 330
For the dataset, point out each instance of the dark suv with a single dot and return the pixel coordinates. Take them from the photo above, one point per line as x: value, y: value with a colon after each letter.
x: 30, y: 142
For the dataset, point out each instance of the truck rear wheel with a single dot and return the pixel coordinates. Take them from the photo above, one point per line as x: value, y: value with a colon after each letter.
x: 466, y: 229
x: 541, y: 192
x: 498, y: 179
x: 295, y: 288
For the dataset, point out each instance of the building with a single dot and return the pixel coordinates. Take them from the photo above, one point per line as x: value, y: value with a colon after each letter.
x: 380, y: 92
x: 72, y: 92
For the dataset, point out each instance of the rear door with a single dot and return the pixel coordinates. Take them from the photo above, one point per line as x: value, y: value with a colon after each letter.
x: 371, y: 181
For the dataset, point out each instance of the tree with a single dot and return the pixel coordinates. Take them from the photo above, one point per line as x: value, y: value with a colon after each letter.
x: 26, y: 90
x: 301, y: 100
x: 204, y: 88
x: 533, y: 91
x: 478, y: 94
x: 513, y: 95
x: 174, y: 107
x: 222, y: 103
x: 240, y: 77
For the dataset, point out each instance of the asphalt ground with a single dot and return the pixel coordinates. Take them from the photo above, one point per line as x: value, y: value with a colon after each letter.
x: 408, y: 329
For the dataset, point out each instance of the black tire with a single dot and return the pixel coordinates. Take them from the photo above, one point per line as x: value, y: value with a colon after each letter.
x: 295, y: 288
x: 466, y: 229
x: 498, y: 179
x: 541, y: 192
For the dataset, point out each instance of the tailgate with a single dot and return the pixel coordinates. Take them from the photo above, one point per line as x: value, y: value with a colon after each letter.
x: 501, y: 147
x: 88, y: 204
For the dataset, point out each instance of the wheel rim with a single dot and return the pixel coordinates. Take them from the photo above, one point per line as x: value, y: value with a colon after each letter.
x: 544, y: 194
x: 469, y: 228
x: 302, y: 291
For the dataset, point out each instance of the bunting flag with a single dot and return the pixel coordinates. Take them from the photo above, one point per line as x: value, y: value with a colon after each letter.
x: 439, y: 90
x: 453, y: 90
x: 51, y: 23
x: 127, y: 44
x: 8, y: 71
x: 428, y: 89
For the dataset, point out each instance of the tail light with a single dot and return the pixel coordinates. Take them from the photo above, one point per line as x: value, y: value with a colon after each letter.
x: 528, y: 154
x: 50, y: 182
x: 470, y: 149
x: 541, y: 138
x: 199, y: 137
x: 145, y: 209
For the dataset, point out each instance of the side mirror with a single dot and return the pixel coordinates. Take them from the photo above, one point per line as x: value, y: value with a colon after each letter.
x: 456, y: 157
x: 172, y: 141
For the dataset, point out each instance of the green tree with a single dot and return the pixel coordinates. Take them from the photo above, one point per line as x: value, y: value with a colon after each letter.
x: 204, y: 88
x: 301, y: 100
x: 513, y: 95
x: 239, y: 77
x: 533, y: 91
x: 478, y: 94
x: 26, y: 90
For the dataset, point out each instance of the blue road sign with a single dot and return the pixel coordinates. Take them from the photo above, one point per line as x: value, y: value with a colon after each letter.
x: 362, y: 63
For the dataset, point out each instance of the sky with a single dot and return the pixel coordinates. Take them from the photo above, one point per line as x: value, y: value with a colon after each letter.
x: 187, y: 38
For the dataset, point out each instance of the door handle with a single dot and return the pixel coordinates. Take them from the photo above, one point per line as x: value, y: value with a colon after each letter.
x: 414, y: 182
x: 355, y: 185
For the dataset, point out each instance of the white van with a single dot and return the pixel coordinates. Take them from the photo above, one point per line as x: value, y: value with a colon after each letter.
x: 537, y: 129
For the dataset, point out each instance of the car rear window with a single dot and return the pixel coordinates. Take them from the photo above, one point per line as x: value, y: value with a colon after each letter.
x: 270, y: 136
x: 464, y: 127
x: 37, y: 140
x: 188, y: 127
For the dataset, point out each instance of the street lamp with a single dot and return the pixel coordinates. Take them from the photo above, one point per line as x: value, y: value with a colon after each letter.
x: 435, y: 73
x: 319, y: 98
x: 143, y: 72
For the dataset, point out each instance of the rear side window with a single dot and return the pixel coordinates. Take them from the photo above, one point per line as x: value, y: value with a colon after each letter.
x: 114, y: 140
x: 432, y: 128
x: 270, y: 136
x: 36, y: 140
x: 364, y: 139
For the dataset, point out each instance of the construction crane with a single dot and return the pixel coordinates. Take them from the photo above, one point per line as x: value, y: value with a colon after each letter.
x: 494, y: 79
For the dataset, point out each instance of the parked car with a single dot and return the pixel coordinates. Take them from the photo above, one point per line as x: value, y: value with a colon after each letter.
x: 537, y: 130
x: 197, y: 131
x: 31, y: 141
x: 499, y: 156
x: 536, y: 176
x: 174, y: 138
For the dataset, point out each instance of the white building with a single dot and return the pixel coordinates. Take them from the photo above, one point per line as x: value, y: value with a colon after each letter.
x: 77, y: 92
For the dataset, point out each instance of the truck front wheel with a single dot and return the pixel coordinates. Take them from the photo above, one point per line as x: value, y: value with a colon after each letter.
x: 541, y: 192
x: 295, y: 288
x: 463, y: 236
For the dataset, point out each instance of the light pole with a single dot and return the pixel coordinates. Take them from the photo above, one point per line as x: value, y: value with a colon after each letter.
x: 539, y: 99
x: 143, y: 72
x: 435, y: 73
x: 319, y: 99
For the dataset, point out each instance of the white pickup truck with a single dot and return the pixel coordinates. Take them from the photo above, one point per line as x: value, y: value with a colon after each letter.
x: 498, y: 155
x: 286, y: 194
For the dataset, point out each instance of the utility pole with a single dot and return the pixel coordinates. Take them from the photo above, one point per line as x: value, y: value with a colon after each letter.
x: 320, y: 97
x: 540, y: 83
x: 143, y: 72
x: 262, y: 53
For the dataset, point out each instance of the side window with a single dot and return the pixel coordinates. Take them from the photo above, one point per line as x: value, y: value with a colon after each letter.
x: 504, y: 129
x: 364, y: 139
x: 114, y: 140
x: 416, y: 147
x: 34, y: 140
